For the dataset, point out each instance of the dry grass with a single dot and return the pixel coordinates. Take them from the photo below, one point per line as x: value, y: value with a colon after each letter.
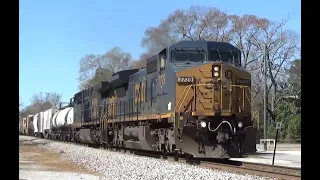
x: 49, y: 160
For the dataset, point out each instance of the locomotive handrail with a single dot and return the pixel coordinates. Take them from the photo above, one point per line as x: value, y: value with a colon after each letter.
x: 189, y: 86
x: 101, y: 118
x: 113, y: 105
x: 244, y: 93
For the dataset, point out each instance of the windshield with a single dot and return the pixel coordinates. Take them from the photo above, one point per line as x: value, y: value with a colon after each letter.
x: 188, y: 55
x: 227, y: 57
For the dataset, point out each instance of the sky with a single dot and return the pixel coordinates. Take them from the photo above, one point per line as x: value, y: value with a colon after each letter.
x: 55, y: 34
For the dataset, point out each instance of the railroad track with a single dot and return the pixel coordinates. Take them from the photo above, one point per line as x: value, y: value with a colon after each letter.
x: 265, y: 170
x: 239, y: 167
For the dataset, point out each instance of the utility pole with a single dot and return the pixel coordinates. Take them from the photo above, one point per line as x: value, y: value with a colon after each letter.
x: 273, y: 99
x: 265, y: 98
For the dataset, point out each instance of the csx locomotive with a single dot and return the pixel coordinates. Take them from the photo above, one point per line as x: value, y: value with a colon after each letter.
x: 193, y: 98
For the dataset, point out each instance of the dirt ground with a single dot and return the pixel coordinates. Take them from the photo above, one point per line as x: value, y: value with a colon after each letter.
x: 39, y: 163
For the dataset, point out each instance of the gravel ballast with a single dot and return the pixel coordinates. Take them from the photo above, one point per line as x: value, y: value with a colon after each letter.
x: 117, y: 165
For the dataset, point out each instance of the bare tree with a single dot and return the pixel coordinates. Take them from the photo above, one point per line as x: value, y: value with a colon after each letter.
x: 195, y: 23
x: 243, y: 33
x: 208, y: 23
x: 88, y: 66
x: 156, y: 38
x: 200, y: 23
x: 41, y: 102
x: 280, y: 46
x: 100, y: 75
x: 53, y: 98
x: 117, y: 60
x: 138, y: 64
x: 97, y: 68
x: 141, y: 62
x: 46, y: 101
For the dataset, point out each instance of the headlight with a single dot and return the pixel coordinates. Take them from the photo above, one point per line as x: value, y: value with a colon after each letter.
x: 216, y: 74
x: 216, y: 69
x: 240, y: 124
x: 203, y: 124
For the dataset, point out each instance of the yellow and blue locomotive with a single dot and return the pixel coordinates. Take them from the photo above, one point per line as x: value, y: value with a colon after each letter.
x: 193, y: 98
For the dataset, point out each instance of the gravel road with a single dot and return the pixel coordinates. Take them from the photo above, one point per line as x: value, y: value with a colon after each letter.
x: 36, y: 163
x: 117, y: 165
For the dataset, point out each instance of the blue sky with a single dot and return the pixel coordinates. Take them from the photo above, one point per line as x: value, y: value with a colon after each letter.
x: 54, y: 35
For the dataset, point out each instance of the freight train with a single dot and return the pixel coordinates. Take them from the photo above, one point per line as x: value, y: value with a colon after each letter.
x: 192, y: 98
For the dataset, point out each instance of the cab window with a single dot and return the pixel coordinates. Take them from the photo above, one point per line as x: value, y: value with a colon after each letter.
x: 228, y: 57
x: 188, y: 55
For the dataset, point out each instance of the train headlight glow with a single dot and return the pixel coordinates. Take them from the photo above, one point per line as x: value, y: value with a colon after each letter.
x: 203, y: 124
x: 216, y: 74
x: 240, y: 124
x: 216, y: 68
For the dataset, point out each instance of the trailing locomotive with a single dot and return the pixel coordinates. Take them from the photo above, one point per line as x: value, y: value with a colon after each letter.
x: 192, y: 98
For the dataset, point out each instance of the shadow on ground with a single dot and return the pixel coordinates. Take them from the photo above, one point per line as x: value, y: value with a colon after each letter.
x: 31, y: 142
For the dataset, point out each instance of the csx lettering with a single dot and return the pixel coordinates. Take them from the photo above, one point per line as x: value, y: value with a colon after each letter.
x: 139, y: 92
x: 143, y: 92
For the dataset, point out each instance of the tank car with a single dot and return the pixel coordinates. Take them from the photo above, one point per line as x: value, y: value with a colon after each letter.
x: 41, y: 124
x: 193, y: 98
x: 47, y: 121
x: 61, y: 123
x: 35, y: 124
x: 38, y: 125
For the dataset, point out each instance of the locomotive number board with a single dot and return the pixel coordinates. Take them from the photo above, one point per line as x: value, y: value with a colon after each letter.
x: 185, y: 80
x: 244, y: 82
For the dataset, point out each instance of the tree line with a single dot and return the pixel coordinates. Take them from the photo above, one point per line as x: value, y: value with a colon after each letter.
x: 256, y: 37
x: 39, y: 102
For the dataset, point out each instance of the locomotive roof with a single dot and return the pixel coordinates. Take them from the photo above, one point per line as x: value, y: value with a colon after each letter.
x: 222, y: 46
x: 104, y: 86
x: 123, y: 73
x: 121, y: 77
x: 209, y: 45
